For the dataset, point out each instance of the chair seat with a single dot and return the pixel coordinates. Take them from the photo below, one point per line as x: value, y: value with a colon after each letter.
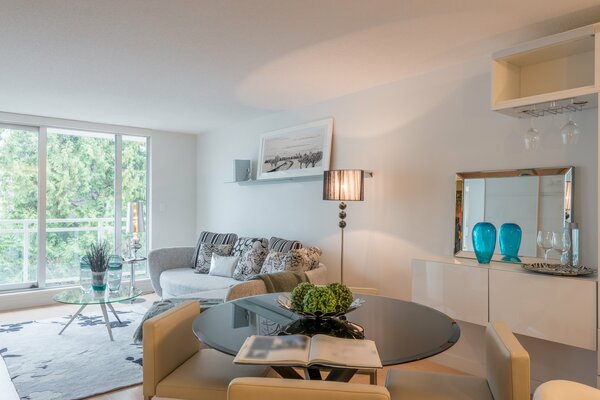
x: 416, y: 385
x: 206, y: 375
x: 564, y: 390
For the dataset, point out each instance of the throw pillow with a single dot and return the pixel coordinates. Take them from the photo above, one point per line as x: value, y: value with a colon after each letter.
x: 303, y: 259
x: 251, y: 261
x: 275, y: 262
x: 222, y: 265
x: 212, y: 238
x: 245, y: 243
x: 283, y: 245
x: 205, y: 255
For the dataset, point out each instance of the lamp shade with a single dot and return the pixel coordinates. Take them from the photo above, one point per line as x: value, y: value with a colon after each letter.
x: 135, y: 217
x: 344, y: 185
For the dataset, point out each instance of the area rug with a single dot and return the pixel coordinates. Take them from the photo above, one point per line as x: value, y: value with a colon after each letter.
x: 79, y: 363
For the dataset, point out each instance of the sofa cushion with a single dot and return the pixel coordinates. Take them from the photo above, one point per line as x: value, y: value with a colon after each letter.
x: 223, y: 265
x: 182, y: 281
x: 275, y: 262
x: 251, y: 258
x: 283, y: 245
x: 205, y: 255
x: 295, y: 260
x: 246, y: 243
x: 212, y: 238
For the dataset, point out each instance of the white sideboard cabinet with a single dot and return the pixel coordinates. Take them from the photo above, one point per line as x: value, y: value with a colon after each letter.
x: 558, y: 309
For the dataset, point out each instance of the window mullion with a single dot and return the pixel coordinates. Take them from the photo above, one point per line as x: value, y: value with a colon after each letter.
x: 41, y: 231
x: 118, y: 192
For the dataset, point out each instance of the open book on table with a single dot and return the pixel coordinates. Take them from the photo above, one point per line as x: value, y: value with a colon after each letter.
x: 300, y: 350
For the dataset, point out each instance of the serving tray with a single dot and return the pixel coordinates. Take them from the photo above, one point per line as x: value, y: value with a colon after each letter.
x: 558, y: 269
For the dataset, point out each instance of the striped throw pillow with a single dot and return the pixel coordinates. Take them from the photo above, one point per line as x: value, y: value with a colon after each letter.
x: 212, y: 238
x: 283, y: 245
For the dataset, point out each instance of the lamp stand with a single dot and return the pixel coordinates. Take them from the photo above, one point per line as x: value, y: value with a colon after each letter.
x: 342, y: 225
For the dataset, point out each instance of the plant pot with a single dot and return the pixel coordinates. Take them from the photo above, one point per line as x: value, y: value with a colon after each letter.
x: 484, y: 241
x: 99, y: 281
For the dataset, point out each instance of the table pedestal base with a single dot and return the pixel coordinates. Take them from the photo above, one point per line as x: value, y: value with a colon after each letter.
x: 104, y: 313
x: 313, y: 373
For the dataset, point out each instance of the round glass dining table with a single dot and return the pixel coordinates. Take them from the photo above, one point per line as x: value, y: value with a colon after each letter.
x: 403, y: 331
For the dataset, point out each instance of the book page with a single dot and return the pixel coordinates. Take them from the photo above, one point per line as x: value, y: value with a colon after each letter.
x: 332, y: 351
x: 274, y: 350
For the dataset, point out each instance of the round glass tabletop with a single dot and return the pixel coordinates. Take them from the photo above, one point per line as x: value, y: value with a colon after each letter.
x: 403, y: 331
x: 78, y: 296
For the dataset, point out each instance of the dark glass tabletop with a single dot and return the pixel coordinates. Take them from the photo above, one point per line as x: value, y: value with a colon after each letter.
x: 403, y: 331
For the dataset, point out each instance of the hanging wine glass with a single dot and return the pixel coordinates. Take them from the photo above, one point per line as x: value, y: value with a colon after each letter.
x: 570, y: 132
x: 532, y: 138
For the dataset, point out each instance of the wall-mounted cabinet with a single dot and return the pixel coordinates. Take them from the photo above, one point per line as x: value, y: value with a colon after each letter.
x: 556, y: 71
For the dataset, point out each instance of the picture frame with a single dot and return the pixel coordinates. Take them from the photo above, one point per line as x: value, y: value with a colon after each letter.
x: 297, y: 151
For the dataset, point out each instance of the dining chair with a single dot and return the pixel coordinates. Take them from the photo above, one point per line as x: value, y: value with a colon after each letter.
x: 292, y: 389
x: 565, y: 390
x: 176, y: 365
x: 507, y: 371
x: 364, y: 290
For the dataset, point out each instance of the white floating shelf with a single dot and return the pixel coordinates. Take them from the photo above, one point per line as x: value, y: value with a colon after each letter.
x: 368, y: 174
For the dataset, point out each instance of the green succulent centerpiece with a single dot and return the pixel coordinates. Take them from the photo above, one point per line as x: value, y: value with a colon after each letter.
x: 309, y: 300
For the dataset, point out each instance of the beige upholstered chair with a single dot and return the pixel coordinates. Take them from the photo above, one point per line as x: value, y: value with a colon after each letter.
x: 364, y: 290
x: 174, y: 364
x: 507, y: 374
x: 565, y: 390
x: 291, y: 389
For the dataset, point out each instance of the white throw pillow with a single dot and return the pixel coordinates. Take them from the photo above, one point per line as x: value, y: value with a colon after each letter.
x: 222, y: 265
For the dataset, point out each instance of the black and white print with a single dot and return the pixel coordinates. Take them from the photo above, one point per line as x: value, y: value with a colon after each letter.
x: 205, y: 255
x: 252, y: 253
x: 302, y: 150
x: 275, y: 262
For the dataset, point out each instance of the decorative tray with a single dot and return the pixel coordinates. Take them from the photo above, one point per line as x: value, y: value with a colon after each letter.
x: 558, y: 269
x: 286, y: 303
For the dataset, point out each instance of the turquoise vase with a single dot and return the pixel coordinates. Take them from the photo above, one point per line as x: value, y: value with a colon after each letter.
x: 115, y: 270
x: 85, y: 275
x: 509, y: 239
x: 484, y: 241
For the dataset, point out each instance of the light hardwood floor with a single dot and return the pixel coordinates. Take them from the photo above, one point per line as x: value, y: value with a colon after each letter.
x: 135, y: 392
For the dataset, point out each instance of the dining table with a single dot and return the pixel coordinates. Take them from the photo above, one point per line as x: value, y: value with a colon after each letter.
x: 403, y: 331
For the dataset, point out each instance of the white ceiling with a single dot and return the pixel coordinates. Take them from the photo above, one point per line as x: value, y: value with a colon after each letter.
x: 195, y: 66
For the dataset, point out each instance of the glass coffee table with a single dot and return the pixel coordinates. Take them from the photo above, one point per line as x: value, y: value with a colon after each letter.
x: 105, y: 298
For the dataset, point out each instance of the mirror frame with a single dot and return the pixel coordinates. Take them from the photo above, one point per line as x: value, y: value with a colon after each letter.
x: 567, y: 172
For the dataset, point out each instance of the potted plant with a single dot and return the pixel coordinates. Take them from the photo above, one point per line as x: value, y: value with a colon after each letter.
x: 97, y: 256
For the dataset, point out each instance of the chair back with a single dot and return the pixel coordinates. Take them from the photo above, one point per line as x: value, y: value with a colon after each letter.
x: 364, y: 290
x: 291, y: 389
x: 168, y: 342
x: 507, y: 364
x: 565, y: 390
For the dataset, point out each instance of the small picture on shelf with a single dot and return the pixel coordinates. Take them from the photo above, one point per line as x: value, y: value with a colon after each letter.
x: 302, y: 150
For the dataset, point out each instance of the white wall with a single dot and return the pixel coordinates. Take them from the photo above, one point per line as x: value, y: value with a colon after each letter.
x: 415, y: 135
x: 172, y: 176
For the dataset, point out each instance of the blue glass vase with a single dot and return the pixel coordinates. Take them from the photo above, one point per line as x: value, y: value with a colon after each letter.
x: 509, y: 239
x: 484, y: 241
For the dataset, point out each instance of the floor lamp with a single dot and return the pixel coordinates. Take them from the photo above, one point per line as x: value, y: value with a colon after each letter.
x: 343, y: 185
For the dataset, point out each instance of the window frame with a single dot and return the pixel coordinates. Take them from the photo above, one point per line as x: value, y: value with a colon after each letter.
x: 42, y: 132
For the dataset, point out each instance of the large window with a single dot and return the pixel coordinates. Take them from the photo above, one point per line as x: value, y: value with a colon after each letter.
x: 69, y: 183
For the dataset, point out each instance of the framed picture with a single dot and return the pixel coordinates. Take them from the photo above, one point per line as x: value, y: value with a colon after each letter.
x: 302, y: 150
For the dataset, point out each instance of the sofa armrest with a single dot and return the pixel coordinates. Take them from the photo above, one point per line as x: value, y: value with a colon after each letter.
x: 276, y: 389
x: 318, y: 276
x: 160, y: 260
x: 168, y: 342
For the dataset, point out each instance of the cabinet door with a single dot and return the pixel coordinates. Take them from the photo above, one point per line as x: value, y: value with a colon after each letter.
x: 558, y: 309
x: 458, y: 291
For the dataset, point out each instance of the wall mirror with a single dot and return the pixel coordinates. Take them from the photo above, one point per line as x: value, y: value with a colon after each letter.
x: 536, y: 199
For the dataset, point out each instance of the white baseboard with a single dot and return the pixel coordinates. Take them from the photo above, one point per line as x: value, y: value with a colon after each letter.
x: 44, y: 297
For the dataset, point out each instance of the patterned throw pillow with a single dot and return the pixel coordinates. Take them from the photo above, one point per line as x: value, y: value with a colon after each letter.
x: 275, y: 262
x: 245, y: 243
x: 250, y: 263
x: 205, y: 255
x: 303, y: 259
x: 283, y: 245
x: 212, y: 238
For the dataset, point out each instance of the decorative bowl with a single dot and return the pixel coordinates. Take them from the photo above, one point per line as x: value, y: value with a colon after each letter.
x: 285, y: 303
